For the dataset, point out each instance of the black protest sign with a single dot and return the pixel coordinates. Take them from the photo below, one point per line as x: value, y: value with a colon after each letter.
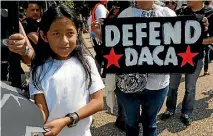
x: 19, y: 116
x: 151, y: 45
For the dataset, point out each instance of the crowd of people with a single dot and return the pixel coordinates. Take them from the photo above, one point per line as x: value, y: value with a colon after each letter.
x: 67, y: 84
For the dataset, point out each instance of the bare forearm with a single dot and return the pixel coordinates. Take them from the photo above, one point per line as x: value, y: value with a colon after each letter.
x: 208, y: 40
x: 45, y: 116
x: 41, y: 103
x: 91, y: 108
x: 34, y: 37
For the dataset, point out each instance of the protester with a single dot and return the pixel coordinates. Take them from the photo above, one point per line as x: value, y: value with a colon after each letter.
x: 209, y: 3
x: 114, y: 12
x: 99, y: 11
x: 207, y: 49
x: 65, y: 82
x: 31, y: 21
x: 171, y: 4
x: 14, y: 49
x: 193, y: 8
x: 120, y: 121
x: 157, y: 85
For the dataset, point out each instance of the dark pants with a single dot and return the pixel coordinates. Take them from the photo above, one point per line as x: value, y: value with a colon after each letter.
x: 190, y: 85
x: 206, y: 59
x: 151, y: 102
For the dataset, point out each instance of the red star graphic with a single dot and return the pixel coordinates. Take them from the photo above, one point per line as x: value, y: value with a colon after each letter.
x: 113, y: 58
x: 187, y: 57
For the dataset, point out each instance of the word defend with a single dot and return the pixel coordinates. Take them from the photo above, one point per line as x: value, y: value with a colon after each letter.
x: 151, y: 45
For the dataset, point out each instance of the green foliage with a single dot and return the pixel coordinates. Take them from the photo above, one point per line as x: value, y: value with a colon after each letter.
x: 69, y: 3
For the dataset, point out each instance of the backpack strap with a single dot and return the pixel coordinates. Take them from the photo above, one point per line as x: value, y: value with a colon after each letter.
x: 93, y: 13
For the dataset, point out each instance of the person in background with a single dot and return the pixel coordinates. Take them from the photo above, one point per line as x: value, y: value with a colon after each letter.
x: 208, y: 51
x: 32, y: 11
x: 99, y: 11
x: 193, y: 8
x: 155, y: 87
x: 114, y: 12
x: 17, y: 43
x: 171, y: 4
x: 209, y: 3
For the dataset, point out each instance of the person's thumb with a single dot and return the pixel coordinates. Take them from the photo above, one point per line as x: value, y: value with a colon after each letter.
x: 47, y: 126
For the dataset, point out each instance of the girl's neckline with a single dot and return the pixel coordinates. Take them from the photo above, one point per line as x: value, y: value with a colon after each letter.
x: 62, y: 60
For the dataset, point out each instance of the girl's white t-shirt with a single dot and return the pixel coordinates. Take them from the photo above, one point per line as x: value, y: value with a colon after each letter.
x: 154, y: 81
x: 66, y: 91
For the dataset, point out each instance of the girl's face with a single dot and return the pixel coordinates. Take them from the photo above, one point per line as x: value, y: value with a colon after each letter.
x: 62, y: 37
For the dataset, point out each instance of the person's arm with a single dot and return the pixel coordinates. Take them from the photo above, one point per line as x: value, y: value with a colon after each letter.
x: 27, y: 58
x: 33, y: 36
x: 18, y: 43
x: 96, y: 104
x: 41, y: 103
x: 208, y: 41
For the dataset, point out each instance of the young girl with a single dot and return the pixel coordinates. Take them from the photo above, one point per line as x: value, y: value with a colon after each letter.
x: 65, y: 82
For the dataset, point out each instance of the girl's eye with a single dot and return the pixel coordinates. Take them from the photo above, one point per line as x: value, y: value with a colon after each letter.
x: 70, y: 33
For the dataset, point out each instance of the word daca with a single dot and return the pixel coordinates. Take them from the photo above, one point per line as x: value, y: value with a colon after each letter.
x: 150, y: 58
x: 155, y: 34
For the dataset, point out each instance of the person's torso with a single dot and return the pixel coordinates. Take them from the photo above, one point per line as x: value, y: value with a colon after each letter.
x: 154, y: 81
x: 8, y: 63
x: 206, y: 11
x: 30, y: 25
x: 66, y: 91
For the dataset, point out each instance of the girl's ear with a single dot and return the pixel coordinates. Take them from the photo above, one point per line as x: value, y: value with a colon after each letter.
x: 43, y: 36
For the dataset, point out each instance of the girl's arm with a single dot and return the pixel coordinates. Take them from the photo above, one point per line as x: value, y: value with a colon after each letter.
x: 41, y: 103
x: 96, y: 104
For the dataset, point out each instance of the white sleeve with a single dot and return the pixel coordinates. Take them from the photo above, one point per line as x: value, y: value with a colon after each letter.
x: 100, y: 12
x: 128, y: 12
x: 170, y: 12
x: 97, y: 83
x: 33, y: 90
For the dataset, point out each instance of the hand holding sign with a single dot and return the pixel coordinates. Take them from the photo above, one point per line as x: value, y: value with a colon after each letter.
x: 205, y: 23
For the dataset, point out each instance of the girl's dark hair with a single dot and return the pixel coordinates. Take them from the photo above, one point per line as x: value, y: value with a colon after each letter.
x: 44, y: 52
